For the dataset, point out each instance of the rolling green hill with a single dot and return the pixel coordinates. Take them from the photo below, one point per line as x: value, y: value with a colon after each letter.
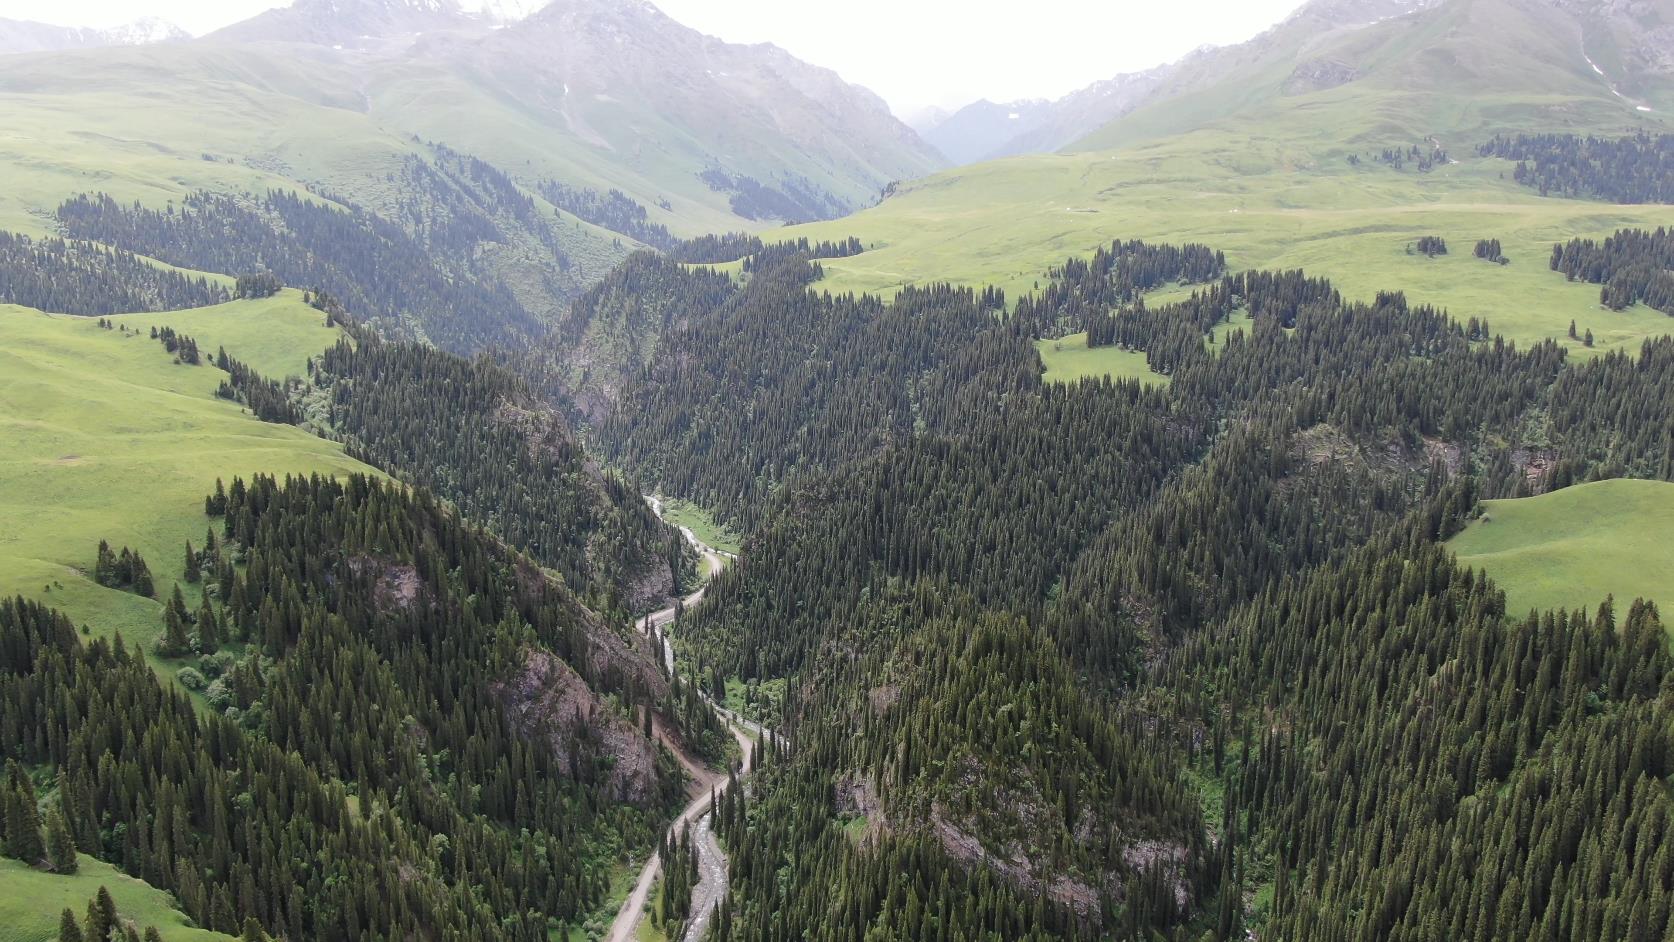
x: 1260, y: 168
x: 103, y: 436
x: 30, y: 907
x: 1570, y: 548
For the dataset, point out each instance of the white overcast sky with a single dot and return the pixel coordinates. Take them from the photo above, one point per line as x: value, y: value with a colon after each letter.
x: 912, y: 52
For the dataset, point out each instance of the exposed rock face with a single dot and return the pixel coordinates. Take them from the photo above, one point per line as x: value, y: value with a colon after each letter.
x: 396, y: 586
x: 548, y: 700
x: 651, y: 586
x: 1318, y: 75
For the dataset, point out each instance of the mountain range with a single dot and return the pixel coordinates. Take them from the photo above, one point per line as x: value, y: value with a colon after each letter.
x: 1325, y: 44
x: 602, y: 94
x: 29, y: 36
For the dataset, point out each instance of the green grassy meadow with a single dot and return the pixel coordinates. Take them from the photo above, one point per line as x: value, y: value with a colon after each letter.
x: 1068, y: 359
x: 1572, y: 547
x: 684, y: 513
x: 1351, y: 224
x: 103, y: 436
x: 32, y: 900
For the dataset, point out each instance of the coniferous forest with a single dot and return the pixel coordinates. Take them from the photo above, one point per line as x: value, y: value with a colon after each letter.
x: 93, y: 280
x: 1162, y: 650
x: 1635, y: 169
x: 1036, y: 553
x: 1147, y: 549
x: 374, y: 266
x: 1632, y: 266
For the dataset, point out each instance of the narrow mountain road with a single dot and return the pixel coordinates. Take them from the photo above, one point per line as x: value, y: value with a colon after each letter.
x: 712, y: 861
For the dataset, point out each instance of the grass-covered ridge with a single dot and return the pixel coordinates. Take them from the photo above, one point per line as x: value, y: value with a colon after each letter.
x: 34, y: 899
x: 1572, y: 547
x: 1283, y: 176
x: 104, y: 436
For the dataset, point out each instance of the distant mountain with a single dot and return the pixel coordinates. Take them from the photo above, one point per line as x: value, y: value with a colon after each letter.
x: 982, y: 128
x: 985, y: 130
x: 644, y: 103
x: 351, y: 23
x: 515, y: 159
x: 1445, y: 58
x: 27, y: 36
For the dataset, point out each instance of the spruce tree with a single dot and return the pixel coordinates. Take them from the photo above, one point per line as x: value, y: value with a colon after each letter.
x: 209, y: 630
x: 101, y: 916
x: 23, y: 817
x: 60, y: 845
x: 176, y: 639
x: 69, y: 930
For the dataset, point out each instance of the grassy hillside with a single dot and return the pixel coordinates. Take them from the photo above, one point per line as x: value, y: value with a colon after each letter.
x: 31, y: 901
x: 1572, y: 547
x: 1068, y: 359
x: 1006, y: 222
x: 103, y: 436
x: 1260, y: 169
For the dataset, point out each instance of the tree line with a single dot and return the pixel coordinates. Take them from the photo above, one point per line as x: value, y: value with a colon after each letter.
x: 88, y: 279
x: 1638, y: 168
x: 1633, y: 265
x: 374, y: 266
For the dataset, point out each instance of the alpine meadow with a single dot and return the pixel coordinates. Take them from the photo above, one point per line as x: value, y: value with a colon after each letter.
x: 533, y: 470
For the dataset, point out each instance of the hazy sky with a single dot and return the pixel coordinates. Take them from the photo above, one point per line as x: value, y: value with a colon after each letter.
x: 912, y: 52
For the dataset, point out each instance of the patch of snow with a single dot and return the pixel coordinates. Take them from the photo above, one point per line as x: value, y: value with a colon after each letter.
x: 144, y: 32
x: 504, y: 12
x: 1641, y: 108
x: 1013, y: 116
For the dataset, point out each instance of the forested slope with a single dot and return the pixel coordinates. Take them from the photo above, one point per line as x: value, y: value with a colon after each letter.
x: 447, y: 738
x: 1132, y: 539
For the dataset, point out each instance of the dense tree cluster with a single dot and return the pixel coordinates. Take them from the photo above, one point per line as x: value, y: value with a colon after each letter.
x: 385, y: 640
x: 1083, y: 293
x: 716, y: 249
x: 795, y: 199
x: 1391, y: 719
x: 475, y: 434
x: 1428, y: 246
x: 825, y: 380
x: 977, y: 723
x: 1489, y: 251
x: 268, y: 399
x: 776, y: 253
x: 123, y: 571
x: 254, y: 285
x: 1634, y: 169
x: 1608, y: 418
x: 1633, y: 265
x: 90, y: 279
x: 679, y: 863
x: 374, y: 266
x: 184, y: 348
x: 613, y: 210
x: 1123, y: 536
